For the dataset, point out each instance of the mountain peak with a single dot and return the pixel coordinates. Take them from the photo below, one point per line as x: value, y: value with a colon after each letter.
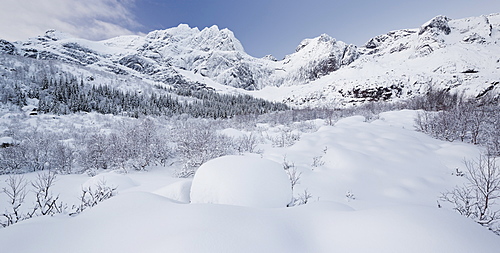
x: 437, y: 24
x: 55, y: 35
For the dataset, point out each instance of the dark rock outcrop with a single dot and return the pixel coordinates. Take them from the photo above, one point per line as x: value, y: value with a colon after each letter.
x: 7, y: 47
x: 436, y: 25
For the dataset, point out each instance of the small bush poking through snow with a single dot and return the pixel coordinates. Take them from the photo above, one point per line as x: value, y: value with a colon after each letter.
x: 91, y: 196
x: 46, y: 203
x: 285, y: 138
x: 294, y: 177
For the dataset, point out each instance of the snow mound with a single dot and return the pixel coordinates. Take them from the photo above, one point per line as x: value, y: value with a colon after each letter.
x: 177, y: 191
x: 243, y: 181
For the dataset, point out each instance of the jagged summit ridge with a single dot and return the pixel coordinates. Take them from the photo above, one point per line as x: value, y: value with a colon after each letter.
x: 209, y: 53
x: 210, y: 38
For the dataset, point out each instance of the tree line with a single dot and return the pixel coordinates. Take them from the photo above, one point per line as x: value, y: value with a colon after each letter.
x: 67, y: 96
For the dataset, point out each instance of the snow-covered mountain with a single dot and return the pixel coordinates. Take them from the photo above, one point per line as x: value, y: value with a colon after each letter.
x: 460, y: 54
x: 165, y: 55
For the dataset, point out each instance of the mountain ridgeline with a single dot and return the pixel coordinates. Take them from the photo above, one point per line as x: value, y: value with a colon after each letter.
x: 459, y: 55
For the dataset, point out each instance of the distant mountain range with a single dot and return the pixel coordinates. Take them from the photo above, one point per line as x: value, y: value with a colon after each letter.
x: 460, y: 55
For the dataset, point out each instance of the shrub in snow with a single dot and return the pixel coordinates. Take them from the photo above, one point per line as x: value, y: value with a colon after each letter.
x: 246, y: 143
x: 317, y: 161
x: 16, y: 192
x: 46, y: 203
x: 302, y: 199
x: 198, y: 142
x: 91, y: 196
x: 294, y: 178
x: 349, y: 196
x: 477, y: 198
x: 285, y: 138
x: 243, y: 181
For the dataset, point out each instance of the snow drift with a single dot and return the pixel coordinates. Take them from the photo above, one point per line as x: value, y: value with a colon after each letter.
x: 243, y: 181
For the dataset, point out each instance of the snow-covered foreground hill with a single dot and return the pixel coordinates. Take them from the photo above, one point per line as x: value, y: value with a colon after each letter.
x: 374, y: 188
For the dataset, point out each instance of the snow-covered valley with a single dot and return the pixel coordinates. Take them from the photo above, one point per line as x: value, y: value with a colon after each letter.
x: 179, y: 141
x: 374, y: 186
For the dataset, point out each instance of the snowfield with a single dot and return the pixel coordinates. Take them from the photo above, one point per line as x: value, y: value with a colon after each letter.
x: 375, y: 187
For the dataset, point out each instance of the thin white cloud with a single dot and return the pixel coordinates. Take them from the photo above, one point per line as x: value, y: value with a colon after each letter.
x: 90, y: 19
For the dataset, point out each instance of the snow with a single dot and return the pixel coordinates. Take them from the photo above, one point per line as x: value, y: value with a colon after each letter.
x: 6, y: 140
x: 112, y: 179
x: 243, y: 181
x: 176, y: 191
x: 144, y: 222
x: 394, y: 173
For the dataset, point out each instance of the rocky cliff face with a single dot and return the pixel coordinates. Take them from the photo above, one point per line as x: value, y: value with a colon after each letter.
x: 446, y: 53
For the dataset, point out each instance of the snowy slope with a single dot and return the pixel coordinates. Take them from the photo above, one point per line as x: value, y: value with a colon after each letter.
x: 394, y: 176
x: 457, y: 55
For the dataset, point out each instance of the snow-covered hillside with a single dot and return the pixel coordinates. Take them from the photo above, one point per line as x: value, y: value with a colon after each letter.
x: 373, y: 187
x: 458, y: 55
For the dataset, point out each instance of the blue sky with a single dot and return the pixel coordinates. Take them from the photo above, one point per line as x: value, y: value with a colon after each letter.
x: 264, y: 27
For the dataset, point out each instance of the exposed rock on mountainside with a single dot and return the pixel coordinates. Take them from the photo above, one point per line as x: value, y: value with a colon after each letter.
x: 436, y: 25
x: 7, y: 47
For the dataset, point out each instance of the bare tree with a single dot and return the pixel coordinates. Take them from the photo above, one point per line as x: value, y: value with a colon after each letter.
x: 484, y: 176
x: 63, y: 158
x: 246, y: 143
x: 45, y: 203
x: 16, y: 192
x: 197, y: 143
x: 12, y: 160
x: 477, y: 198
x: 292, y: 172
x: 94, y: 155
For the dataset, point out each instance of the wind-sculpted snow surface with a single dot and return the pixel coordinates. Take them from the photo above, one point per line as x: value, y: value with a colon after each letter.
x: 375, y: 191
